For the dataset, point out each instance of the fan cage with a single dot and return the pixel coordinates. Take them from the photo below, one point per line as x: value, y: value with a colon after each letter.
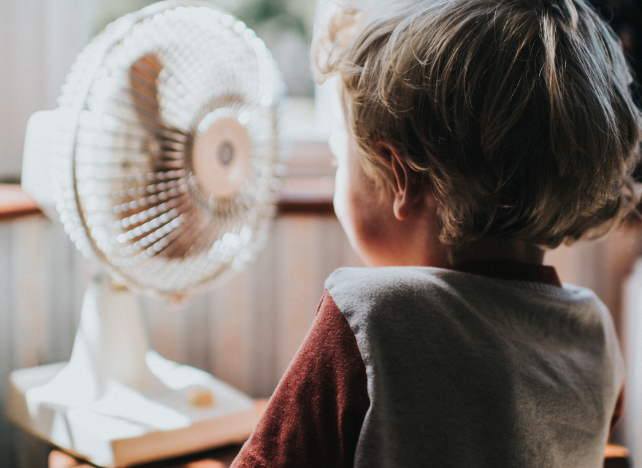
x: 128, y: 193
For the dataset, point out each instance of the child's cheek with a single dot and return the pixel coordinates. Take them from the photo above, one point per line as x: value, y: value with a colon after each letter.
x: 341, y: 201
x: 369, y: 228
x: 356, y: 211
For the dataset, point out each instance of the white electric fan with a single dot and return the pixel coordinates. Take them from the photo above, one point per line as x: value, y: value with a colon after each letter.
x: 160, y: 161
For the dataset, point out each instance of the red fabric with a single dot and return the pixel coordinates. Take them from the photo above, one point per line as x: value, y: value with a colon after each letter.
x: 314, y: 417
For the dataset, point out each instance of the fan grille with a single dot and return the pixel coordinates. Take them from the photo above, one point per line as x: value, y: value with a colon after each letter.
x: 130, y: 193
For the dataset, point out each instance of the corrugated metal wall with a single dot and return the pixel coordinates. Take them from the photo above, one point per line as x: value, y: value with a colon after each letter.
x: 245, y: 330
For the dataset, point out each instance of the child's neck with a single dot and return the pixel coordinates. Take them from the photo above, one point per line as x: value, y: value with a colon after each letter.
x: 496, y: 249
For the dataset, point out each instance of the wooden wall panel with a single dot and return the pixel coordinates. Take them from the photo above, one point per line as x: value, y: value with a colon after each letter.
x: 31, y: 311
x: 230, y: 331
x: 7, y: 433
x: 244, y: 330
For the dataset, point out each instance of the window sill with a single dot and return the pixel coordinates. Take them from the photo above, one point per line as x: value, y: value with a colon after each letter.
x: 306, y: 188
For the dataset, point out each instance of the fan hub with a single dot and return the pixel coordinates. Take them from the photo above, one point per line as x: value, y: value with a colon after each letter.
x: 225, y: 153
x: 222, y: 153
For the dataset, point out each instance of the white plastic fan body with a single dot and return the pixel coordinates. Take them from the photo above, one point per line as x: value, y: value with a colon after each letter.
x: 161, y: 158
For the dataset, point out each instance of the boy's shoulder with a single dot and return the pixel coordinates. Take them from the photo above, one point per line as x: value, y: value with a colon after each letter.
x: 389, y: 282
x: 418, y: 292
x: 379, y: 288
x: 382, y: 280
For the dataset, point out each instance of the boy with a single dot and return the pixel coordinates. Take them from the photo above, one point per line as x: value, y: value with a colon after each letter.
x: 479, y: 134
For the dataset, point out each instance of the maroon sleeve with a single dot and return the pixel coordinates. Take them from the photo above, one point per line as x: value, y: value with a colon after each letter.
x: 315, y: 415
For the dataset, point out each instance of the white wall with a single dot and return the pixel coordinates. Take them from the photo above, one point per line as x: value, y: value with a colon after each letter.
x: 39, y: 41
x: 633, y: 353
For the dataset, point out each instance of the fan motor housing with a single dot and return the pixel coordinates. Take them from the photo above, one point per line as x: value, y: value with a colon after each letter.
x: 222, y: 153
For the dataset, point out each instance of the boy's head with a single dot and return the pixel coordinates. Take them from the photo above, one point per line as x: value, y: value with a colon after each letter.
x: 515, y: 113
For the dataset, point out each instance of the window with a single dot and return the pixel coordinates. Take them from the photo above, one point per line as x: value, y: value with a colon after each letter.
x: 284, y: 25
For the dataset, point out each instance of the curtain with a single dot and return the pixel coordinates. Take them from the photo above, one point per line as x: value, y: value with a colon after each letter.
x: 39, y: 41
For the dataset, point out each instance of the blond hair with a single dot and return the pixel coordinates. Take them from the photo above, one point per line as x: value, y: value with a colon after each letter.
x: 517, y: 113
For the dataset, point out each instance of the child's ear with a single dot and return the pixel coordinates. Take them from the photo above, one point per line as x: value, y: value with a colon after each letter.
x: 405, y: 188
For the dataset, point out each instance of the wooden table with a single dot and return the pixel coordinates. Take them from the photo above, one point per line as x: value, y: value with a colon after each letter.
x: 218, y: 458
x: 615, y: 457
x: 14, y: 202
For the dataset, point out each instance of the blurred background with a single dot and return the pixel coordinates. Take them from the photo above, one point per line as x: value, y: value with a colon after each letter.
x: 40, y: 39
x: 246, y: 330
x: 284, y: 25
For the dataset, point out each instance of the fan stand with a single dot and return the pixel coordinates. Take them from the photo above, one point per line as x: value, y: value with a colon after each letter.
x: 118, y: 403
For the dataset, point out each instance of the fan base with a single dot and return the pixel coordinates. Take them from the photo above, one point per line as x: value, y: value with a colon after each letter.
x: 125, y: 427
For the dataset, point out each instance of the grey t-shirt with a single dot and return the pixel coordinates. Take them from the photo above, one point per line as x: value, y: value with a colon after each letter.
x: 470, y: 371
